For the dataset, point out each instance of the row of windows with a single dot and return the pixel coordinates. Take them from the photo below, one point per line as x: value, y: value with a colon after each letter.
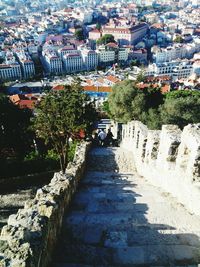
x: 6, y: 73
x: 56, y: 69
x: 168, y: 72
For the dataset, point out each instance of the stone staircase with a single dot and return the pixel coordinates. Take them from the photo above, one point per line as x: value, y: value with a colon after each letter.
x: 118, y: 219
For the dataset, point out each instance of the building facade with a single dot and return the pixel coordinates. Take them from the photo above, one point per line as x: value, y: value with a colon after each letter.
x: 180, y: 69
x: 26, y: 63
x: 105, y: 56
x: 10, y: 72
x: 10, y: 69
x: 90, y: 59
x: 73, y: 62
x: 126, y: 35
x: 52, y: 62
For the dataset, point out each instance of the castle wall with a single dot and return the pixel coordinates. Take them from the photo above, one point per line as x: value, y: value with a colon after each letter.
x: 30, y: 236
x: 169, y: 159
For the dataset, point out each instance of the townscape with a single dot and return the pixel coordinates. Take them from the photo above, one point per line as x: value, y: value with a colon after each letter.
x: 99, y: 133
x: 41, y: 41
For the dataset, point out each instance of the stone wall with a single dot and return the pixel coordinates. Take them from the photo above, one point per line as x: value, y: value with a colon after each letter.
x: 169, y: 158
x: 30, y: 236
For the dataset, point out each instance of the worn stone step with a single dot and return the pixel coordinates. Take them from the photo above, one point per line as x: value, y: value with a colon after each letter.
x: 134, y: 218
x: 167, y: 255
x: 97, y: 177
x: 117, y: 219
x: 138, y: 235
x: 123, y: 195
x: 83, y: 265
x: 60, y: 264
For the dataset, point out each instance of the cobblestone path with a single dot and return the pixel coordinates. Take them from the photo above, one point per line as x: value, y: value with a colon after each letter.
x: 118, y: 219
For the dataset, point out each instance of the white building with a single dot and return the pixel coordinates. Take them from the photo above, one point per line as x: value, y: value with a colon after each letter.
x: 10, y: 69
x: 85, y: 16
x: 180, y: 69
x: 69, y: 49
x: 105, y: 56
x: 90, y: 59
x: 26, y: 63
x: 52, y: 62
x: 73, y: 62
x: 177, y: 51
x: 123, y: 54
x: 196, y: 67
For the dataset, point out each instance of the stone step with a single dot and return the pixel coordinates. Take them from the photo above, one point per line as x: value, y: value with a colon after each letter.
x: 117, y: 219
x: 127, y: 234
x: 167, y: 255
x: 70, y: 265
x: 137, y: 217
x: 93, y: 176
x: 124, y: 194
x: 60, y: 264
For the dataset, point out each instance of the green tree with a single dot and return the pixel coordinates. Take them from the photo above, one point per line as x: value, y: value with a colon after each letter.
x: 107, y: 38
x: 79, y: 34
x: 15, y: 134
x: 153, y: 120
x: 181, y: 108
x: 60, y: 116
x: 179, y: 39
x: 134, y: 63
x: 98, y: 26
x: 140, y: 76
x: 105, y: 107
x: 128, y: 102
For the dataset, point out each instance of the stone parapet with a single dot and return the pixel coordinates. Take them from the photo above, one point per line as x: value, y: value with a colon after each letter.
x: 30, y: 236
x: 169, y: 158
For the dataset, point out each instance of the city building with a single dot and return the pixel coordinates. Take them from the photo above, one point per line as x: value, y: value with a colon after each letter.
x: 69, y: 49
x: 106, y: 56
x: 52, y: 62
x: 140, y: 55
x: 94, y: 34
x: 73, y: 62
x: 125, y: 34
x: 10, y: 72
x: 177, y: 51
x: 26, y: 63
x: 179, y: 69
x: 10, y: 68
x: 90, y: 59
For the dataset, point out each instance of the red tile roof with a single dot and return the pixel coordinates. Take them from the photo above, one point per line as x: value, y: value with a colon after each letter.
x: 112, y: 79
x: 58, y: 87
x: 165, y: 88
x: 104, y: 89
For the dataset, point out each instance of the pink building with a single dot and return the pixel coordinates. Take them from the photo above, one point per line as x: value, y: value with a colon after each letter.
x: 126, y: 34
x: 94, y: 34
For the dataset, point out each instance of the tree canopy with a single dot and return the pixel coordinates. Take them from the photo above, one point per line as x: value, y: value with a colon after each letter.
x: 127, y: 102
x: 15, y: 134
x: 61, y: 115
x: 98, y: 26
x: 181, y: 108
x: 79, y: 34
x: 107, y: 38
x: 179, y: 39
